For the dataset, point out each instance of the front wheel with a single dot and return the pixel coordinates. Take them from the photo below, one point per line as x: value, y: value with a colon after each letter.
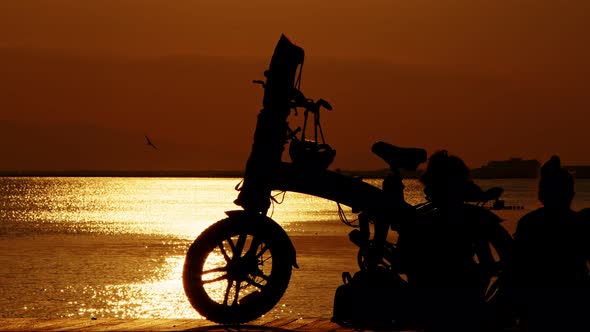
x: 238, y: 269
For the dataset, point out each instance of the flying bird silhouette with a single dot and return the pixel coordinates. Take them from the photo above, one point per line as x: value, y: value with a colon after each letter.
x: 149, y: 142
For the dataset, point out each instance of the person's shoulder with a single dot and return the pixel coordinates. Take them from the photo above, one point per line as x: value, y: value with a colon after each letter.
x: 527, y: 223
x: 533, y: 215
x: 530, y: 217
x: 583, y: 219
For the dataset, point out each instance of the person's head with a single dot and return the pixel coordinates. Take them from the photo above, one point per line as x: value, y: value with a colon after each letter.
x: 446, y: 178
x: 556, y: 185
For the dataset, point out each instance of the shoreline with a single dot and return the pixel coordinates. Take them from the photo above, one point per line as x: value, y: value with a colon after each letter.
x: 219, y: 174
x: 580, y: 172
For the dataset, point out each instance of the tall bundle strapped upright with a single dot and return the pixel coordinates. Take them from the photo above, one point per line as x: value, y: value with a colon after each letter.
x: 272, y: 129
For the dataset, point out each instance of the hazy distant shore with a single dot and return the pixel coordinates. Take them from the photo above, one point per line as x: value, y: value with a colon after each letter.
x: 578, y: 171
x: 201, y: 174
x: 214, y: 174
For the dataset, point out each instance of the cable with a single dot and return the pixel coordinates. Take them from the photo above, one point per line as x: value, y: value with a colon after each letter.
x: 344, y: 219
x: 273, y: 197
x: 238, y: 186
x: 273, y: 200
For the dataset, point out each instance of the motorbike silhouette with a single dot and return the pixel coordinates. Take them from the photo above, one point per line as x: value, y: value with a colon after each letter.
x: 239, y: 267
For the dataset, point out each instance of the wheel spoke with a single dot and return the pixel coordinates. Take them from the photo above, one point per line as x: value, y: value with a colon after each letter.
x: 240, y: 245
x: 262, y: 250
x: 254, y: 283
x: 237, y: 293
x: 219, y: 269
x: 227, y: 290
x: 253, y: 246
x: 231, y: 244
x: 262, y: 275
x: 223, y: 277
x: 264, y: 260
x: 224, y: 252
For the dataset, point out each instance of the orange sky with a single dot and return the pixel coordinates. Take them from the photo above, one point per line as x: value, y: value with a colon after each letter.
x: 81, y: 82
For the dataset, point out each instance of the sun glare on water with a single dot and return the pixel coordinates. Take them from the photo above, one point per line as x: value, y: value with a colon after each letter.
x: 115, y: 247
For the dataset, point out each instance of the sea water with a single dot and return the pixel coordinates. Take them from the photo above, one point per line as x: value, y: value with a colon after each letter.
x: 114, y: 247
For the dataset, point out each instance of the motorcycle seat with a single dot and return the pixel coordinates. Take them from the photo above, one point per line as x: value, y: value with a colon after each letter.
x: 399, y: 158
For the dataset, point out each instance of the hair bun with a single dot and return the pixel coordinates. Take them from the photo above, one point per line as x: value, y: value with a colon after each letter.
x: 552, y: 166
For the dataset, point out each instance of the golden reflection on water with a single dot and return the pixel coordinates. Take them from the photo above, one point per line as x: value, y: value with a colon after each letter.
x: 114, y: 247
x: 180, y: 207
x: 163, y: 296
x: 215, y: 283
x: 113, y: 243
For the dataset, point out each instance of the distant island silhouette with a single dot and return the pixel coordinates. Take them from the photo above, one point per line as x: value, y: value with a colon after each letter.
x: 513, y: 168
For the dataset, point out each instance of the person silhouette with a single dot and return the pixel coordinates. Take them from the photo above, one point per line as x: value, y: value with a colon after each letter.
x: 438, y: 246
x: 551, y: 256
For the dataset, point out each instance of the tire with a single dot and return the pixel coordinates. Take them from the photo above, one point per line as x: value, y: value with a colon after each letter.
x: 229, y: 285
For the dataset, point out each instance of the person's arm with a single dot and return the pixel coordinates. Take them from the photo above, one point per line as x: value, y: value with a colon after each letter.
x: 585, y: 214
x: 495, y: 234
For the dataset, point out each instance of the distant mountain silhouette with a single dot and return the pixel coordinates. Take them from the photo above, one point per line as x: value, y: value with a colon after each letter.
x: 192, y: 97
